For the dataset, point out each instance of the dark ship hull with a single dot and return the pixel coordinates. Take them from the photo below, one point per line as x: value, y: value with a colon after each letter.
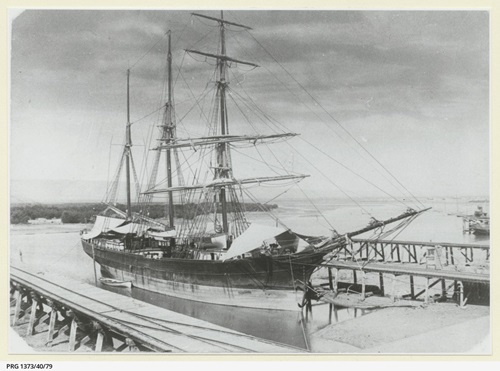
x: 271, y: 282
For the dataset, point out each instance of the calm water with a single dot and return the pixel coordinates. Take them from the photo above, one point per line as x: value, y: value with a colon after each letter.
x: 57, y: 249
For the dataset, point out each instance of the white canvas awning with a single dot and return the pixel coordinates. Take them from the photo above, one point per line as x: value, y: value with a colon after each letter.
x: 102, y: 224
x: 252, y: 239
x: 162, y: 235
x: 129, y: 228
x: 220, y: 241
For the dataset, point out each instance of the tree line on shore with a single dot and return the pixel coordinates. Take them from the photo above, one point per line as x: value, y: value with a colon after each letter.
x: 85, y: 212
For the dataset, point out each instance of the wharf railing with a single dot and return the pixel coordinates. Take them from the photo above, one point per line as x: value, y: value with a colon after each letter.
x: 464, y: 268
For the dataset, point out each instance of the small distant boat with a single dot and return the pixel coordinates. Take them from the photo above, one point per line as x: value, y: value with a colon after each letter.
x: 115, y: 283
x: 479, y: 223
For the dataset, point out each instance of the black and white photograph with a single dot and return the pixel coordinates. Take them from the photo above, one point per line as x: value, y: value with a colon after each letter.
x: 236, y: 181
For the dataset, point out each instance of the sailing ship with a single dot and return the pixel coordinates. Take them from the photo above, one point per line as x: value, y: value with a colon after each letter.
x: 214, y: 254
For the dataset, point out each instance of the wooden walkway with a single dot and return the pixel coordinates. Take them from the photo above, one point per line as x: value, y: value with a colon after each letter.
x: 412, y: 269
x: 91, y: 313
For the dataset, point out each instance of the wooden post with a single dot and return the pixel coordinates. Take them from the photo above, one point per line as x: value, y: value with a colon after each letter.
x: 443, y: 289
x: 381, y: 279
x: 93, y: 258
x: 72, y: 335
x: 363, y: 285
x: 17, y: 309
x: 354, y: 277
x: 99, y: 341
x: 131, y: 345
x: 412, y: 288
x: 393, y: 288
x: 462, y: 300
x: 335, y: 286
x: 34, y: 307
x: 52, y: 323
x: 336, y: 314
x: 426, y: 298
x: 330, y: 278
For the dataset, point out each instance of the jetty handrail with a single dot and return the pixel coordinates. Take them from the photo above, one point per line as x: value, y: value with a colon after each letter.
x: 422, y: 243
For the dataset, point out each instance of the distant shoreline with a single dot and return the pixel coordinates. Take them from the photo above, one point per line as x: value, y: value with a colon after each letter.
x: 76, y: 212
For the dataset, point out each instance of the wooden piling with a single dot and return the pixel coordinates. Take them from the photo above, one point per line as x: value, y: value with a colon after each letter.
x: 72, y: 335
x: 99, y: 341
x: 412, y: 288
x: 393, y: 288
x: 330, y: 278
x: 34, y: 307
x: 17, y: 309
x: 426, y: 297
x: 381, y: 279
x: 52, y: 323
x: 335, y: 285
x: 363, y: 285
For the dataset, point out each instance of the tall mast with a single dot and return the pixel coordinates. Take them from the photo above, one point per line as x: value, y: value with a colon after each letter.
x: 128, y: 146
x: 169, y: 130
x: 222, y: 171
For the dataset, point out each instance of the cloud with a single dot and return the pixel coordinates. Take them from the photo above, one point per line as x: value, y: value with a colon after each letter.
x: 394, y: 78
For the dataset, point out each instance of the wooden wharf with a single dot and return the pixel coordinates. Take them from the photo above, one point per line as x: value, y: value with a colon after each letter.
x: 413, y: 251
x: 112, y: 322
x: 465, y: 265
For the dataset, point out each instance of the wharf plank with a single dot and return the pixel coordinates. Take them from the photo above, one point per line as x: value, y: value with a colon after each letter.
x: 159, y: 328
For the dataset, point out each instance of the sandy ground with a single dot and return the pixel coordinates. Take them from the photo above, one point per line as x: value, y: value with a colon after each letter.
x: 437, y: 328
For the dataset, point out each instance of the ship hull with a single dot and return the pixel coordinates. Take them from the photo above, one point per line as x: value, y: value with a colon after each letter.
x: 263, y: 282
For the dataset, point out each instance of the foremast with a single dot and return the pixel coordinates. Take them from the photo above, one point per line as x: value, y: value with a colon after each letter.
x: 128, y: 150
x: 166, y: 140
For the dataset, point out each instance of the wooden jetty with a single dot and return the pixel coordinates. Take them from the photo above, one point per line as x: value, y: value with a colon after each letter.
x: 464, y: 265
x: 113, y: 322
x: 413, y: 251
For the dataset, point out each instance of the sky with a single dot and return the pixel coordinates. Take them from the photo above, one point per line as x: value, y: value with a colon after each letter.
x: 406, y: 90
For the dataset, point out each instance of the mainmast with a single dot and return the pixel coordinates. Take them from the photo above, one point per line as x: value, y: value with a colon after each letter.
x: 128, y: 147
x: 223, y: 181
x: 169, y: 134
x: 223, y: 169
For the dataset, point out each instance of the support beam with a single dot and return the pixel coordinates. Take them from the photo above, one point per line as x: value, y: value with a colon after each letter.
x: 72, y: 335
x: 99, y: 341
x: 381, y: 279
x: 17, y: 309
x: 52, y: 323
x: 393, y: 288
x: 330, y: 278
x: 34, y: 307
x: 412, y: 288
x: 426, y: 297
x: 463, y: 300
x: 363, y: 285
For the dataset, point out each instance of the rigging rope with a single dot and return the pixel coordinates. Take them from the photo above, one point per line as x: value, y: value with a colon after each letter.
x: 334, y: 119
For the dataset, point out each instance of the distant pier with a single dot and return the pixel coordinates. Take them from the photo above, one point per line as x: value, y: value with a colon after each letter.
x: 89, y: 318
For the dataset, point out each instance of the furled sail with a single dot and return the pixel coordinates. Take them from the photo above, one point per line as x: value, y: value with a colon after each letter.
x: 219, y: 139
x: 223, y: 182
